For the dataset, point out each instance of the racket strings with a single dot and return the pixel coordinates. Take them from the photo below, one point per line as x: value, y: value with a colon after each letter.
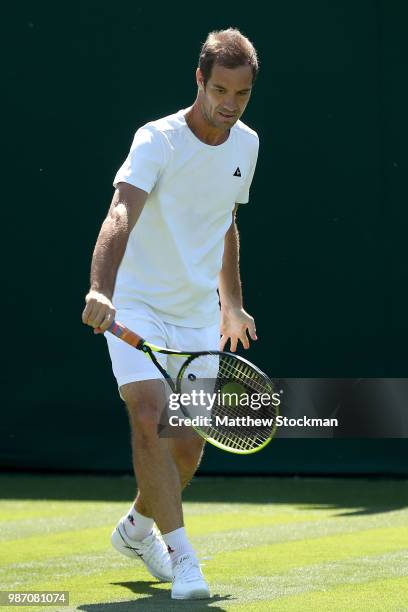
x: 243, y: 374
x: 236, y: 388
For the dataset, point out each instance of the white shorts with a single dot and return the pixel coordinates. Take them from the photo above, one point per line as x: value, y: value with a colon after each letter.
x: 130, y: 365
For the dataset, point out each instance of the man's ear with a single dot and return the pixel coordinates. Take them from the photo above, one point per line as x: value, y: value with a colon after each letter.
x: 200, y: 79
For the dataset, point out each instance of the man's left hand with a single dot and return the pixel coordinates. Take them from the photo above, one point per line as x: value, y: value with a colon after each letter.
x: 236, y: 324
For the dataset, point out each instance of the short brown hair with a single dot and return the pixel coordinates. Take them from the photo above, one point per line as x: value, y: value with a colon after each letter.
x: 228, y: 48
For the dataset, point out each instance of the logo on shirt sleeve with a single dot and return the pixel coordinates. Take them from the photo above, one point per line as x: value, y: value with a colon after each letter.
x: 237, y: 172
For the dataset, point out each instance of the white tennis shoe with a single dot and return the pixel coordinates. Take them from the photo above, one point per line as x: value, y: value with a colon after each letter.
x: 188, y: 581
x: 152, y: 551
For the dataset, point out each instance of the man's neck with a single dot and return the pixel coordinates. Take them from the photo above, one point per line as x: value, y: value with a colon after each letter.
x: 203, y: 130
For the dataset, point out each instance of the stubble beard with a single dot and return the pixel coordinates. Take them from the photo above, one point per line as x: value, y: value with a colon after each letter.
x: 207, y: 117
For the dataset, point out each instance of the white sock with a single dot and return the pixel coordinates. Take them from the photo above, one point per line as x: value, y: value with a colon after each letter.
x: 177, y: 544
x: 137, y: 526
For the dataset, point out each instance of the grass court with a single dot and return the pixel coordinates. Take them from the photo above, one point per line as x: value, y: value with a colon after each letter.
x: 281, y: 544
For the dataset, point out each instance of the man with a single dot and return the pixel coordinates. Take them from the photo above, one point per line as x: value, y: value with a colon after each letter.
x: 168, y: 241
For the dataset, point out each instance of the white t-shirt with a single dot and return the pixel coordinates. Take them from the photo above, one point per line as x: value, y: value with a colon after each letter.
x: 174, y: 252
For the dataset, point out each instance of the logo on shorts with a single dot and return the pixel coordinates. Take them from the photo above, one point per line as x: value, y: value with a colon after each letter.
x: 170, y: 549
x: 237, y: 172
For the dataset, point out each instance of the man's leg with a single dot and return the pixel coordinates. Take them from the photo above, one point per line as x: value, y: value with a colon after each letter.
x: 155, y: 468
x: 160, y: 482
x: 187, y: 453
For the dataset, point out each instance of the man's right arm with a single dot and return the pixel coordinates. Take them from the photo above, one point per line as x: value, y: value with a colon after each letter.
x: 125, y: 209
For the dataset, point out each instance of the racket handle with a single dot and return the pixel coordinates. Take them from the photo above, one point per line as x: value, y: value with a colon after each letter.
x: 126, y: 334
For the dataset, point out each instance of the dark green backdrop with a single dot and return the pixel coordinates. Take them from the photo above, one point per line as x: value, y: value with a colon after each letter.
x: 324, y: 261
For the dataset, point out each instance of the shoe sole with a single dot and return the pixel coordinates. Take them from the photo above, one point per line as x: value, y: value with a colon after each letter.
x: 198, y: 594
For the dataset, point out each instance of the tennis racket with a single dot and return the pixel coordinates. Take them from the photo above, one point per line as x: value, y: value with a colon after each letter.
x: 243, y: 404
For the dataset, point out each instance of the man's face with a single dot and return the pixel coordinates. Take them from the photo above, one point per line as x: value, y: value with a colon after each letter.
x: 225, y: 96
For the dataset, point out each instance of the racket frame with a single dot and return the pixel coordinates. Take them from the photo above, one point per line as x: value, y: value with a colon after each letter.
x: 190, y: 358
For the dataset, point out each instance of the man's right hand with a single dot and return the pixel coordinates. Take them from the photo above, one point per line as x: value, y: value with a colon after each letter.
x: 99, y: 312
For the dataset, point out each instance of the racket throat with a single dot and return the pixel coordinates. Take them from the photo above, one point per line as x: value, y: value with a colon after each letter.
x: 148, y: 351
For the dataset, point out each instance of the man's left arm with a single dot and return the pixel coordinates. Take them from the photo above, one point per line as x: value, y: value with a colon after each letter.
x: 236, y: 324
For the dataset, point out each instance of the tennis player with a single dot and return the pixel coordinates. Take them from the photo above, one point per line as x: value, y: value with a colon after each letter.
x: 168, y: 242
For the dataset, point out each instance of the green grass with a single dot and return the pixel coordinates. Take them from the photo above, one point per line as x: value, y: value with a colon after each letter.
x: 265, y: 544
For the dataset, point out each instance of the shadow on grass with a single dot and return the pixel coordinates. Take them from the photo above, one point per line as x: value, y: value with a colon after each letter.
x: 353, y: 496
x: 153, y: 599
